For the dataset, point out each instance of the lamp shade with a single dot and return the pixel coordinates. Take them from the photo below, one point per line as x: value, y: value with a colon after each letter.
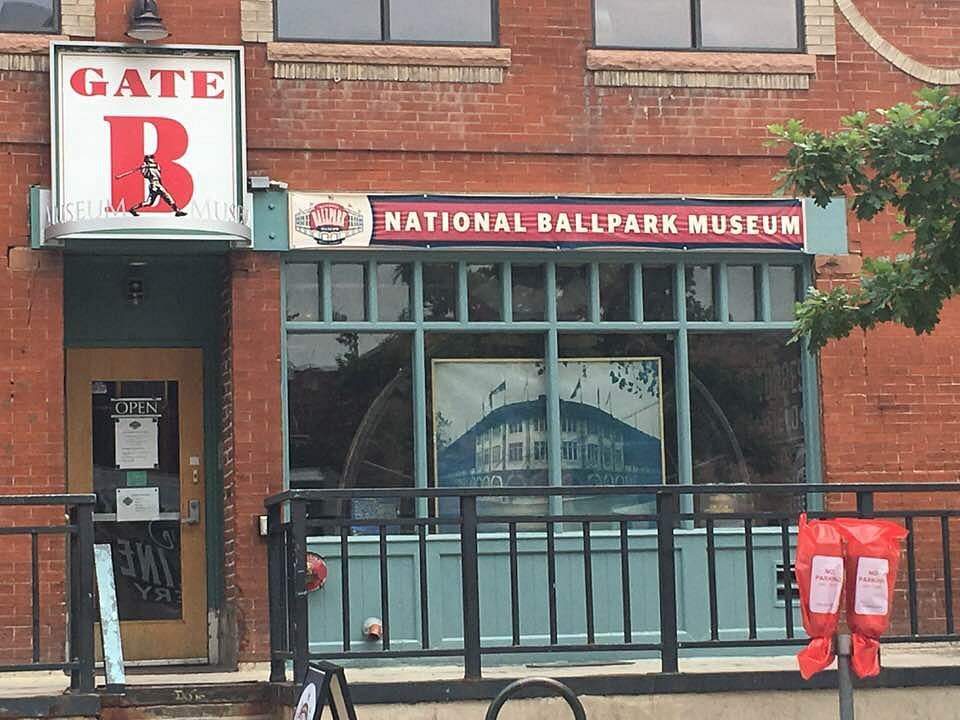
x: 145, y: 23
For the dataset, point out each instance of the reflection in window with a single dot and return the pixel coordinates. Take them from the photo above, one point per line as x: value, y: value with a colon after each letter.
x: 615, y: 288
x: 483, y: 292
x: 746, y: 413
x: 699, y: 282
x: 741, y: 293
x: 349, y: 400
x: 28, y: 16
x: 349, y: 291
x: 784, y: 293
x: 393, y: 291
x: 528, y: 292
x: 573, y: 289
x: 658, y: 293
x: 660, y: 24
x: 439, y: 291
x: 304, y: 292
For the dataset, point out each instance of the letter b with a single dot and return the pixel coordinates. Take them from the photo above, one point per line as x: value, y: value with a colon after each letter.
x: 127, y: 148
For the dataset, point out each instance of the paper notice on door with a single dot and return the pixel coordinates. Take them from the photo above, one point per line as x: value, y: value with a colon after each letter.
x: 138, y: 504
x: 826, y: 583
x: 871, y: 597
x: 136, y: 442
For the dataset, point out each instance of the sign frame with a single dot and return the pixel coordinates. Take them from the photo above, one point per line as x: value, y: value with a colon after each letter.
x: 237, y: 230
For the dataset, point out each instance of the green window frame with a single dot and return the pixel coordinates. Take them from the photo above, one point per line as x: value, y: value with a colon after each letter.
x: 768, y: 318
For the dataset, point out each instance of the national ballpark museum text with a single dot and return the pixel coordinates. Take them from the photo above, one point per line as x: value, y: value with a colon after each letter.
x: 422, y: 339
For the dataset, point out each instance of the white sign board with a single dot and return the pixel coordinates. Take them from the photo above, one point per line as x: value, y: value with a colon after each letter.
x: 136, y: 443
x: 138, y: 504
x: 147, y: 142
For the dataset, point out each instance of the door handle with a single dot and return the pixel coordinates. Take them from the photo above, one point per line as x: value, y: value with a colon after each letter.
x: 193, y: 513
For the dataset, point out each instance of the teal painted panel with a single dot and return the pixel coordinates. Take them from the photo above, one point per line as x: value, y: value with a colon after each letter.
x: 270, y: 221
x: 826, y: 227
x: 443, y: 570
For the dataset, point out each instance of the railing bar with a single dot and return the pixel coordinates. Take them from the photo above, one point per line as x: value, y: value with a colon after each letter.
x: 596, y: 647
x: 751, y: 585
x: 35, y: 594
x: 712, y: 581
x: 787, y: 579
x: 57, y: 530
x: 625, y: 582
x: 588, y: 582
x: 514, y: 586
x: 345, y: 586
x: 384, y: 589
x: 424, y: 588
x: 552, y: 581
x: 912, y: 577
x: 947, y: 573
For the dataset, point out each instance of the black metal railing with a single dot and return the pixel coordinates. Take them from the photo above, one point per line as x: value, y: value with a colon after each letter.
x: 294, y: 516
x: 76, y: 526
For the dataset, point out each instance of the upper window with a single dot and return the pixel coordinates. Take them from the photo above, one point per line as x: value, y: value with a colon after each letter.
x: 29, y: 16
x: 699, y: 24
x: 461, y: 22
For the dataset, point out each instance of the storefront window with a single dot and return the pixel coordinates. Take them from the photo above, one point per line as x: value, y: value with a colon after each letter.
x: 741, y: 293
x: 529, y: 302
x: 439, y: 291
x: 746, y: 414
x: 658, y: 293
x: 349, y: 291
x: 483, y: 293
x: 393, y: 291
x: 572, y: 292
x: 616, y: 288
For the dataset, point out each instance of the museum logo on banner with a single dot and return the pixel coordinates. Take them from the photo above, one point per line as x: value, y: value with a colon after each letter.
x: 147, y: 141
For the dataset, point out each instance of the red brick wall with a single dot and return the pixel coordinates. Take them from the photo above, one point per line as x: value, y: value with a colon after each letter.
x: 889, y: 407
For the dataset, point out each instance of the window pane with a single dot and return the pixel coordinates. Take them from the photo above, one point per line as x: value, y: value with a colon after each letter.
x: 647, y: 23
x: 749, y: 24
x: 572, y: 292
x: 440, y: 291
x: 741, y: 293
x: 784, y: 293
x: 441, y: 20
x: 27, y: 16
x: 658, y: 293
x: 328, y: 20
x: 350, y: 404
x: 615, y: 289
x: 528, y: 292
x: 746, y: 415
x: 483, y: 284
x: 393, y: 291
x: 699, y: 282
x: 349, y: 294
x: 304, y: 295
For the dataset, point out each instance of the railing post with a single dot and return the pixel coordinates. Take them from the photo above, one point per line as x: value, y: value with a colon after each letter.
x: 81, y: 601
x: 865, y: 503
x: 470, y: 583
x: 667, y: 511
x: 297, y: 562
x: 277, y: 594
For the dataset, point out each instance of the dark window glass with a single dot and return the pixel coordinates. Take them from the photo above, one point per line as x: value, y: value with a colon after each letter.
x: 393, y: 291
x: 328, y: 20
x: 304, y: 292
x: 349, y: 291
x: 746, y: 24
x: 615, y: 289
x: 528, y: 292
x: 430, y: 21
x: 658, y: 293
x: 653, y: 23
x: 572, y: 292
x: 699, y: 282
x: 483, y: 284
x: 441, y: 20
x: 350, y: 409
x: 741, y: 293
x: 784, y: 293
x: 28, y: 16
x: 749, y: 24
x: 440, y: 291
x: 746, y: 415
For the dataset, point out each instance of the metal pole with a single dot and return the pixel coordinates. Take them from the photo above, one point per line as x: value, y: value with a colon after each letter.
x: 470, y: 584
x: 844, y: 681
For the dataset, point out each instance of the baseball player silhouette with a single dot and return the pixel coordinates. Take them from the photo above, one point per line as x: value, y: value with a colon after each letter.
x: 150, y: 170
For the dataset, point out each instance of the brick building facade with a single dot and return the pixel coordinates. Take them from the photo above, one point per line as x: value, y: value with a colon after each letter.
x: 542, y: 112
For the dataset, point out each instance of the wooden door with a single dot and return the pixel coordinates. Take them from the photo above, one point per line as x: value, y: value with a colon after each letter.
x: 135, y: 438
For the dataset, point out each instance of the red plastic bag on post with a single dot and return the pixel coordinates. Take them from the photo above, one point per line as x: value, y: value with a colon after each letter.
x: 873, y: 558
x: 819, y: 568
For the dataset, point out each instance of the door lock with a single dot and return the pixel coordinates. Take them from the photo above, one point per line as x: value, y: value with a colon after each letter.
x: 193, y: 513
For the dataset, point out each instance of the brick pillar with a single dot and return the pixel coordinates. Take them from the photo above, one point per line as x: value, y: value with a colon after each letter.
x: 251, y: 442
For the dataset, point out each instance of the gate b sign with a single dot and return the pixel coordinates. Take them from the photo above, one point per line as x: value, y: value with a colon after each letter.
x: 147, y: 142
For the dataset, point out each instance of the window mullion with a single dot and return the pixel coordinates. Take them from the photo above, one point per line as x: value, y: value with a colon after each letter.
x: 385, y: 20
x: 697, y: 36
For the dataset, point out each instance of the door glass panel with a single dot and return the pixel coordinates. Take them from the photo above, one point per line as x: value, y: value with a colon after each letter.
x: 136, y: 448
